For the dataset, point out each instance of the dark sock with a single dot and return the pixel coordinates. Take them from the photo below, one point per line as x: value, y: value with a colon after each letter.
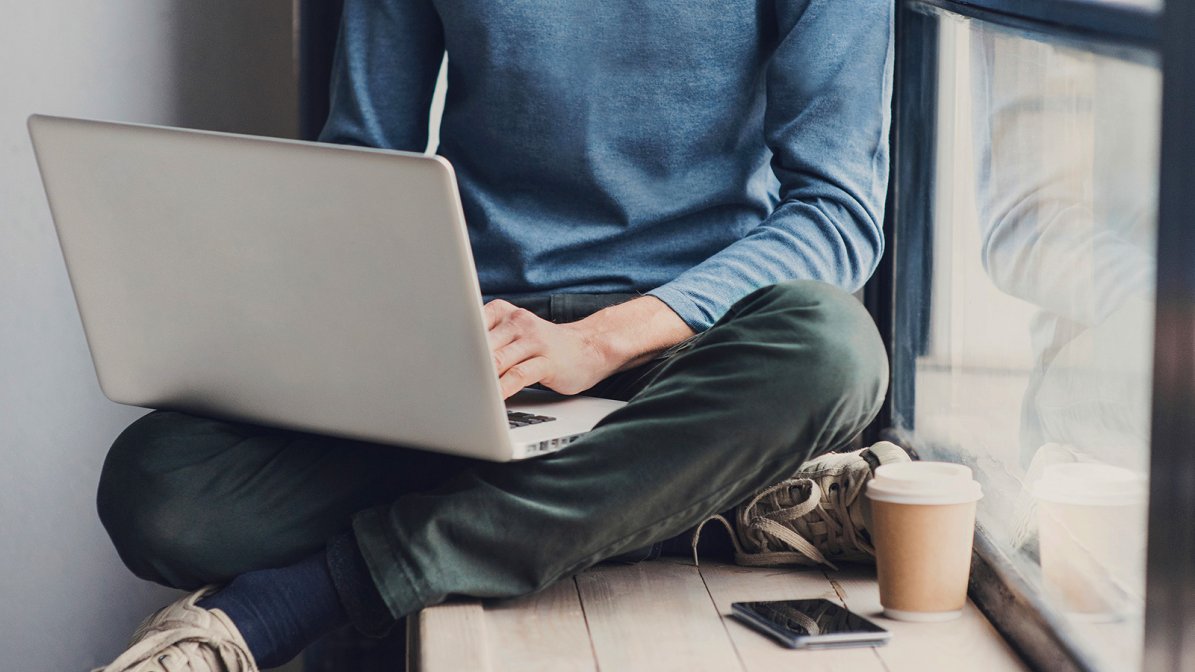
x: 358, y: 594
x: 280, y: 611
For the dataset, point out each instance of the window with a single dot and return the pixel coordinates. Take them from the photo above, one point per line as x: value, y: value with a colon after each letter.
x: 1024, y: 306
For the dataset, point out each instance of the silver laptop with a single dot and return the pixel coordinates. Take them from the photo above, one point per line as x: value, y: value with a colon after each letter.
x: 309, y: 286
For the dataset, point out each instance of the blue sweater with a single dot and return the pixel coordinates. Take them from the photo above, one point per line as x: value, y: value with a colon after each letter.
x: 689, y: 149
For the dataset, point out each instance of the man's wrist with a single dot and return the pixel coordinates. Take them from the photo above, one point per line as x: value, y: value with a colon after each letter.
x: 631, y: 333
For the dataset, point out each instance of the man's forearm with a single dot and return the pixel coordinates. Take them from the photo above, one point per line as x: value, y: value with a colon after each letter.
x: 631, y: 333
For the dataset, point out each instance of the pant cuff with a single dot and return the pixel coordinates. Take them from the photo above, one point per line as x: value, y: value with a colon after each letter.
x: 358, y: 594
x: 390, y: 573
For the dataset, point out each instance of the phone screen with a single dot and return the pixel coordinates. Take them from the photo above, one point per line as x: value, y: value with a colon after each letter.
x: 811, y: 623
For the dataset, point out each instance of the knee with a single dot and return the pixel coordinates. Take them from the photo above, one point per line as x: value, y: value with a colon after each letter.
x: 844, y: 335
x: 832, y: 357
x: 146, y: 513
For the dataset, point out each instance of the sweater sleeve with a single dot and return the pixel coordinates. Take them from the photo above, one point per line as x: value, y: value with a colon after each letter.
x: 1060, y: 230
x: 388, y: 58
x: 828, y: 87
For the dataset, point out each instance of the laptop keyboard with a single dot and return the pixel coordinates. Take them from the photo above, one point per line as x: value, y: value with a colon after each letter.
x: 518, y: 419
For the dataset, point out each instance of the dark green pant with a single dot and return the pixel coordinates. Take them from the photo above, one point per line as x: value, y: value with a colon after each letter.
x: 792, y: 371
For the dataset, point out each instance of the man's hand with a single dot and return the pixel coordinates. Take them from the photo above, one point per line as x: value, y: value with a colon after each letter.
x: 571, y: 358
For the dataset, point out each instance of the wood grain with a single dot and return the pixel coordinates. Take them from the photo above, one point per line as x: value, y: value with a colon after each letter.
x: 758, y: 653
x: 666, y: 615
x: 451, y: 638
x: 967, y: 643
x: 545, y: 632
x: 654, y: 616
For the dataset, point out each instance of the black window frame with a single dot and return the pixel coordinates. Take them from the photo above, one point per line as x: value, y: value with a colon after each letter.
x: 1170, y: 587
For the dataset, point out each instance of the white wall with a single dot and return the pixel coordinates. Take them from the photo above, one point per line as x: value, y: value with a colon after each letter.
x: 66, y: 602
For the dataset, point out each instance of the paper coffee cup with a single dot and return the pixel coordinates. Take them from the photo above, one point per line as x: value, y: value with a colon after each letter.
x: 922, y: 526
x: 1091, y: 519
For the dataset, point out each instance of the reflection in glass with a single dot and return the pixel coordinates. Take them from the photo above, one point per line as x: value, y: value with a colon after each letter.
x: 1066, y: 210
x: 1089, y: 518
x: 1035, y: 367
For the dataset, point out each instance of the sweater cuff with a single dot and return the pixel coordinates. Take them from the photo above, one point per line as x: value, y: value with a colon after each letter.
x: 684, y: 306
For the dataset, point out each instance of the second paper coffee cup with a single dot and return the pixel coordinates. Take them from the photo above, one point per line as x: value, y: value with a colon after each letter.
x: 922, y: 525
x: 1087, y: 514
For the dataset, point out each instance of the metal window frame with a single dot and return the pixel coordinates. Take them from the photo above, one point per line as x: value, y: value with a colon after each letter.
x: 913, y: 146
x: 1124, y: 32
x: 1097, y: 21
x: 1170, y: 579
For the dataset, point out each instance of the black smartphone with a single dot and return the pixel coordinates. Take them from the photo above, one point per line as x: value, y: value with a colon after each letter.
x: 810, y: 624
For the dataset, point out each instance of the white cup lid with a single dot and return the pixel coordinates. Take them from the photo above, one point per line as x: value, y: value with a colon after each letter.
x: 1090, y: 484
x: 924, y: 483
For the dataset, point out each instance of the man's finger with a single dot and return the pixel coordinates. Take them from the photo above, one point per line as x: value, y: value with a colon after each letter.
x: 516, y: 352
x: 501, y: 335
x: 496, y: 310
x: 527, y: 372
x: 513, y: 325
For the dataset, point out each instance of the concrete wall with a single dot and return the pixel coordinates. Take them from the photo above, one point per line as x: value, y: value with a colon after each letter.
x: 66, y: 602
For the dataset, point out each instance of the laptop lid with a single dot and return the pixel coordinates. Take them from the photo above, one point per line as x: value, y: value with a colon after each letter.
x: 305, y: 285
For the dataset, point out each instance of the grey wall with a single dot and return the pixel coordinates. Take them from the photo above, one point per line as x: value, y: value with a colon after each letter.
x: 66, y: 602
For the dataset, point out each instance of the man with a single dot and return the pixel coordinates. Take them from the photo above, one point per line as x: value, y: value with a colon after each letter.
x: 642, y: 181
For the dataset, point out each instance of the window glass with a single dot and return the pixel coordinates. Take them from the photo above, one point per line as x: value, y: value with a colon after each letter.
x: 1026, y: 316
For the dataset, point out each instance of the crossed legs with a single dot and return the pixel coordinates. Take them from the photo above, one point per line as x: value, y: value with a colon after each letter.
x: 792, y: 371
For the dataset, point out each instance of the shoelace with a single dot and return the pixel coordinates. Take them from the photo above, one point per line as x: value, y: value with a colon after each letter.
x: 155, y: 648
x: 798, y: 518
x: 152, y: 642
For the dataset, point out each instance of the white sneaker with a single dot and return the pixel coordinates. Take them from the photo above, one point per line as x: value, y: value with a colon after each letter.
x: 813, y: 518
x: 183, y: 637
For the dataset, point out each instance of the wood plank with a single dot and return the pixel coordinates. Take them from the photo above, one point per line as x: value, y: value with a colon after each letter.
x: 969, y: 642
x: 654, y: 617
x: 758, y: 653
x: 544, y: 632
x: 666, y: 615
x: 450, y: 637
